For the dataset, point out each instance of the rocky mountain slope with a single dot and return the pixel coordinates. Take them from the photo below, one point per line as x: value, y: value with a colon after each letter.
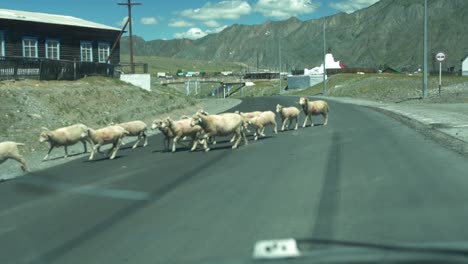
x: 389, y: 32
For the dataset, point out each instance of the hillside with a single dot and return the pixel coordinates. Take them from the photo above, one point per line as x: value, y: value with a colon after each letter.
x: 389, y: 32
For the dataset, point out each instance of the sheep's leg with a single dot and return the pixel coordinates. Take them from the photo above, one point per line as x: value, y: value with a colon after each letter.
x: 116, y: 148
x: 297, y: 123
x: 238, y: 138
x: 146, y: 140
x: 66, y: 152
x: 284, y: 123
x: 47, y: 155
x: 311, y: 123
x: 205, y: 142
x: 22, y: 161
x: 194, y: 143
x: 138, y: 141
x: 95, y: 148
x: 262, y: 131
x: 84, y: 146
x: 325, y: 117
x: 174, y: 142
x: 274, y: 127
x: 246, y: 142
x: 233, y: 138
x: 257, y: 132
x: 305, y: 120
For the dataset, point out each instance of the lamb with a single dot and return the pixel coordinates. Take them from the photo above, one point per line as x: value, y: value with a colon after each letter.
x: 220, y: 125
x: 65, y: 136
x: 163, y: 127
x: 9, y: 150
x: 136, y: 129
x: 311, y: 108
x: 107, y: 135
x: 182, y: 128
x: 288, y: 113
x: 262, y: 120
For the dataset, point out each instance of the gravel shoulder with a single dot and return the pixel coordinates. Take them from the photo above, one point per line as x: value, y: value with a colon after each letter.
x: 445, y: 123
x: 26, y: 106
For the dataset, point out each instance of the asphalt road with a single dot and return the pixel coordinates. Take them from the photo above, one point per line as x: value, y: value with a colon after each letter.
x: 364, y: 177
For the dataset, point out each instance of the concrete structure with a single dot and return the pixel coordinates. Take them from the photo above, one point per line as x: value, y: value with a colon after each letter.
x: 330, y: 63
x: 465, y: 66
x: 141, y: 80
x: 304, y: 81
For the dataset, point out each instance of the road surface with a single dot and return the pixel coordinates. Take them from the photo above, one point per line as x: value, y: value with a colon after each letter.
x: 364, y: 177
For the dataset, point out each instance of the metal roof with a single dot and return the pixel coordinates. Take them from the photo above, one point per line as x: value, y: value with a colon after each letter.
x: 51, y: 19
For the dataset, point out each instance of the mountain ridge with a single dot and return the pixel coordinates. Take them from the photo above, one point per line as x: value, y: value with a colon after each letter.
x: 387, y: 33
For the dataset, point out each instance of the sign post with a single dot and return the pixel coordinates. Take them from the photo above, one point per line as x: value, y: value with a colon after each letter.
x: 440, y: 57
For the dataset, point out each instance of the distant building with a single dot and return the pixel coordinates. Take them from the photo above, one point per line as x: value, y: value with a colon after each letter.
x: 56, y: 37
x: 330, y: 63
x: 465, y: 66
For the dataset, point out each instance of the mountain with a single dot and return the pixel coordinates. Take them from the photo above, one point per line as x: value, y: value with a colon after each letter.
x: 390, y: 32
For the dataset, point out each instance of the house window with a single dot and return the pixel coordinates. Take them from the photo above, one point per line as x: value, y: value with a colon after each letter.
x: 30, y: 47
x: 86, y: 51
x: 2, y: 43
x: 103, y: 51
x: 52, y: 47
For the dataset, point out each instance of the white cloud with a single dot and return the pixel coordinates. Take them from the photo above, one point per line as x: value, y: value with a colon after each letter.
x: 211, y: 23
x: 193, y: 33
x: 148, y: 21
x: 196, y: 33
x: 350, y: 6
x: 231, y: 9
x: 180, y: 23
x: 217, y: 30
x: 122, y: 22
x: 284, y: 9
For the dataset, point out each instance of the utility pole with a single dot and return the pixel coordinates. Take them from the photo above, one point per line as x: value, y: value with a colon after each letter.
x: 324, y: 90
x: 279, y: 51
x: 424, y: 91
x: 129, y: 4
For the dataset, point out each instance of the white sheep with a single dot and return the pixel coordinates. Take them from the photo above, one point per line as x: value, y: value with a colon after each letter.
x: 136, y: 129
x: 220, y: 125
x: 163, y: 127
x: 9, y: 150
x: 107, y: 135
x: 65, y: 136
x: 182, y: 128
x: 312, y: 108
x: 288, y: 114
x: 261, y: 121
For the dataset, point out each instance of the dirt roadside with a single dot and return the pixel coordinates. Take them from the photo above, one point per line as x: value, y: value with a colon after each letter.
x: 445, y: 123
x: 26, y: 106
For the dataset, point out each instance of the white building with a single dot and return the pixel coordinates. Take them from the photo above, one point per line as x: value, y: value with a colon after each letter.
x: 330, y: 63
x: 465, y: 66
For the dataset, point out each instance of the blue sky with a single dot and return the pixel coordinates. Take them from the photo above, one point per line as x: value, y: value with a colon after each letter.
x: 161, y: 19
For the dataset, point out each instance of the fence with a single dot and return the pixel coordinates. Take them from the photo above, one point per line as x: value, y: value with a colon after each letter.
x: 45, y: 69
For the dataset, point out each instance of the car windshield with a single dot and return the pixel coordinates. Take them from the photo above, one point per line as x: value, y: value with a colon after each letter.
x: 207, y: 131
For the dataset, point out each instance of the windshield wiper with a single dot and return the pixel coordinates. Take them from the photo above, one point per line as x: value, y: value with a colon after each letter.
x: 293, y: 248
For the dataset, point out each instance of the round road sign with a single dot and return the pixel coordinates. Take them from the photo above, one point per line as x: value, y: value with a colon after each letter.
x: 440, y: 56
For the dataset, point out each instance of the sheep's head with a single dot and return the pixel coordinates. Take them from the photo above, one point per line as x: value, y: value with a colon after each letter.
x: 303, y: 100
x: 156, y: 124
x: 196, y: 120
x: 202, y: 112
x: 44, y: 136
x: 278, y: 108
x: 86, y: 133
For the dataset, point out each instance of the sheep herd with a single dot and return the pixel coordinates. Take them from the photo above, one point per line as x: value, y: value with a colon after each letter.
x: 202, y: 128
